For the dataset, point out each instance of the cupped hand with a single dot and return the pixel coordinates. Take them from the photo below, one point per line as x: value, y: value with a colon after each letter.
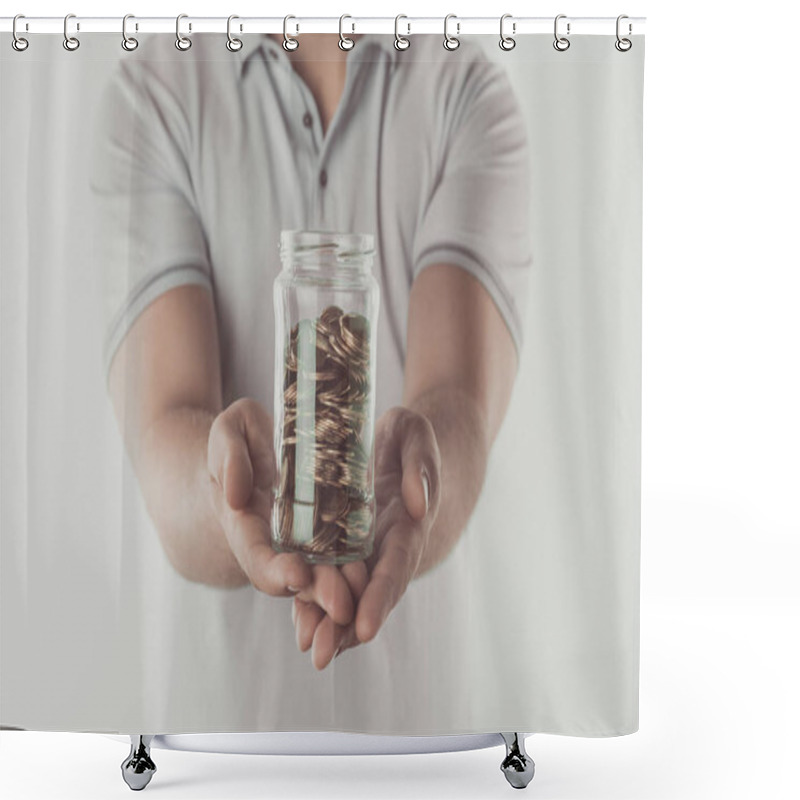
x: 407, y: 494
x: 242, y: 475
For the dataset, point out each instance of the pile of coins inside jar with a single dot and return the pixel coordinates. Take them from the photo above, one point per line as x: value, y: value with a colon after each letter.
x: 325, y: 504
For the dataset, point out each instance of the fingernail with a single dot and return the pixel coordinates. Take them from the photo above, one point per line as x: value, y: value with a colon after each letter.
x: 426, y: 487
x: 293, y: 588
x: 338, y: 650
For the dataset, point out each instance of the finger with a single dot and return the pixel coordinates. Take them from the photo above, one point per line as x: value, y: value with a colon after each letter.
x: 415, y: 492
x: 330, y: 590
x: 247, y: 533
x: 357, y: 577
x: 229, y: 460
x: 324, y: 643
x: 268, y: 571
x: 307, y: 616
x: 347, y: 640
x: 398, y: 559
x: 240, y: 450
x: 257, y: 428
x: 286, y: 574
x: 420, y: 460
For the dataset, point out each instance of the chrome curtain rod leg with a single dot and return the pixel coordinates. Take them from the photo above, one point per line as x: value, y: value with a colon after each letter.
x: 517, y: 766
x: 138, y: 768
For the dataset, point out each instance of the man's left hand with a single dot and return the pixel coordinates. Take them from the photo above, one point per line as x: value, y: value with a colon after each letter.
x: 407, y: 495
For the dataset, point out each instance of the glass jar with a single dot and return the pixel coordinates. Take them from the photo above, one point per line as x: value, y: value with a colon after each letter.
x: 326, y: 314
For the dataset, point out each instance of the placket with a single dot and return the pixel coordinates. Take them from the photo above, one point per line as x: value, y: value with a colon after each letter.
x: 323, y: 145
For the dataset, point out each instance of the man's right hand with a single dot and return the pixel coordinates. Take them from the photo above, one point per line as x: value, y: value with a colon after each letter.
x: 242, y: 476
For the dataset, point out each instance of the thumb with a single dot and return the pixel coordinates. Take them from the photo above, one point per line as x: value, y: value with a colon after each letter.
x: 229, y: 458
x: 420, y: 462
x: 419, y: 457
x: 416, y: 491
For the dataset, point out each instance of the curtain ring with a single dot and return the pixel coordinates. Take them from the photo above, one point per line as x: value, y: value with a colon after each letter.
x: 289, y: 42
x: 233, y: 44
x: 18, y: 43
x: 345, y: 43
x: 181, y: 42
x: 400, y: 42
x: 451, y: 42
x: 561, y: 43
x: 623, y: 45
x: 506, y: 42
x: 129, y: 43
x: 70, y: 42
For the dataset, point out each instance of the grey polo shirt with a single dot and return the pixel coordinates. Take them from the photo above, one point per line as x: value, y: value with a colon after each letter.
x: 203, y: 157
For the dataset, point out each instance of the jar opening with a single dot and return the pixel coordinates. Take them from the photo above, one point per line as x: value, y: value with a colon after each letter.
x: 316, y: 249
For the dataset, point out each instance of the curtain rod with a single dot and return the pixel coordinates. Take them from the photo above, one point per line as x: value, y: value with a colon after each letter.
x: 408, y: 26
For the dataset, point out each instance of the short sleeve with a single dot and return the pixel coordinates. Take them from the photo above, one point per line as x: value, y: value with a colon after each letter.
x: 478, y: 214
x: 148, y: 237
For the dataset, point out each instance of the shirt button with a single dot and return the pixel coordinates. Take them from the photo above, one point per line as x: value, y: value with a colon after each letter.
x: 323, y: 178
x: 307, y: 119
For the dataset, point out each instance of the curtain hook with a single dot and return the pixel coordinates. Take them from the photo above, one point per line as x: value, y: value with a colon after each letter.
x: 18, y: 42
x: 400, y: 42
x: 129, y: 43
x: 289, y: 42
x: 181, y: 42
x: 233, y: 44
x: 70, y: 42
x: 623, y: 45
x: 561, y: 43
x: 507, y: 42
x: 345, y: 43
x: 451, y: 42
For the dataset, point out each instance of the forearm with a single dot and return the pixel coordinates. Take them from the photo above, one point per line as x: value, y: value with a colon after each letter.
x: 173, y: 473
x: 463, y: 438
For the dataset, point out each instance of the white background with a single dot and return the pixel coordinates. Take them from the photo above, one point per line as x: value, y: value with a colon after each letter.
x: 720, y: 613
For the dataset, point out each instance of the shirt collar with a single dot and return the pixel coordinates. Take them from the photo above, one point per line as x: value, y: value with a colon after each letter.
x: 270, y: 49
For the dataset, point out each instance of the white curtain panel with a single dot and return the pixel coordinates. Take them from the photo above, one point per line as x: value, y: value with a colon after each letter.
x: 143, y: 197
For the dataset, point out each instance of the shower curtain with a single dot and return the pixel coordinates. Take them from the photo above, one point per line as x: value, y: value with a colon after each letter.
x: 144, y: 192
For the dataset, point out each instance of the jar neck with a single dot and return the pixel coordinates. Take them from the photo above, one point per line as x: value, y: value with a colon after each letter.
x: 327, y: 254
